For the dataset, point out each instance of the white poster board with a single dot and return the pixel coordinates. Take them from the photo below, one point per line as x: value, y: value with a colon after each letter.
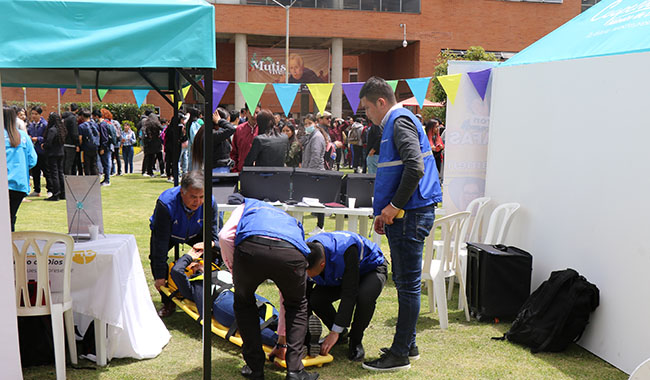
x: 466, y: 139
x: 84, y: 204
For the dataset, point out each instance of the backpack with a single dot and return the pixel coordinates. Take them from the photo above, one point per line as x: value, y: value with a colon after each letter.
x: 330, y: 156
x: 91, y: 140
x: 556, y: 314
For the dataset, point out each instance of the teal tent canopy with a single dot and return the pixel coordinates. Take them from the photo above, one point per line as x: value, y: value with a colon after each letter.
x: 108, y: 44
x: 608, y: 28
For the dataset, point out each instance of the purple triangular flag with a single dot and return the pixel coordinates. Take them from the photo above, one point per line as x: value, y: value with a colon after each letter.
x: 352, y: 90
x: 218, y: 89
x: 480, y: 81
x: 62, y: 90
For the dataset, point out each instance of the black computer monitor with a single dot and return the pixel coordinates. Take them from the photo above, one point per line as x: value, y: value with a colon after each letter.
x: 266, y: 183
x: 322, y: 184
x: 223, y: 185
x: 359, y: 186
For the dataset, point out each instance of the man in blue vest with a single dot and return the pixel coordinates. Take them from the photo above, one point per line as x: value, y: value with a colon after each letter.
x: 268, y: 244
x: 346, y: 266
x: 406, y: 191
x: 177, y: 219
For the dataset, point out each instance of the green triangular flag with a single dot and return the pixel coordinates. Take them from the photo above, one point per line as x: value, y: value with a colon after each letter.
x: 393, y: 83
x: 252, y: 93
x: 101, y: 94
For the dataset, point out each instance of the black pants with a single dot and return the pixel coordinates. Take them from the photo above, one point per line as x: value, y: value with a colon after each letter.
x: 41, y: 167
x: 15, y: 198
x: 357, y: 156
x: 90, y: 162
x: 116, y: 158
x: 150, y: 159
x: 253, y: 263
x: 55, y: 176
x: 69, y: 156
x: 370, y: 286
x: 171, y: 164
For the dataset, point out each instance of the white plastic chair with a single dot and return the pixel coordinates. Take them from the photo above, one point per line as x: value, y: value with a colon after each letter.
x: 56, y: 303
x: 435, y: 269
x: 474, y: 225
x: 642, y: 372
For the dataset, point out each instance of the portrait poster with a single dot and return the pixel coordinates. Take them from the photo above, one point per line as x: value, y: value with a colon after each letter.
x: 267, y: 65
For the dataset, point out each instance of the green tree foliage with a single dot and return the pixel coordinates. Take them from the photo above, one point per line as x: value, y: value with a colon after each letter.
x: 474, y: 53
x: 21, y: 104
x: 120, y: 111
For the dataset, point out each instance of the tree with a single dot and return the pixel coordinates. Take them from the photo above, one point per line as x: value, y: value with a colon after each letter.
x: 474, y: 53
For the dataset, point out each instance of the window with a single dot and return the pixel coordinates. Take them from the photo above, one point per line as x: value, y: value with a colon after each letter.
x: 586, y: 4
x: 354, y: 75
x: 404, y: 6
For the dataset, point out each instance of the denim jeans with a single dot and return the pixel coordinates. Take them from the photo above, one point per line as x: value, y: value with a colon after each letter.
x: 106, y: 165
x: 372, y: 161
x: 406, y: 241
x: 183, y: 162
x: 127, y: 154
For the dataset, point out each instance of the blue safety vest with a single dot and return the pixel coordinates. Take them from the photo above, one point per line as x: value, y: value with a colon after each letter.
x: 390, y: 168
x: 261, y: 219
x: 184, y: 227
x: 335, y: 244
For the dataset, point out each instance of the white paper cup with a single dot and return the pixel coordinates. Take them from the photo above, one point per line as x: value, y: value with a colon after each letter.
x: 93, y: 230
x: 352, y: 202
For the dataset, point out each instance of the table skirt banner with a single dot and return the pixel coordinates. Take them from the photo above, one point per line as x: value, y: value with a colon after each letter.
x: 108, y: 284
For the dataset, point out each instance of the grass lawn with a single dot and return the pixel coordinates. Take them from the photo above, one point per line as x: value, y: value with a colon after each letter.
x: 464, y: 351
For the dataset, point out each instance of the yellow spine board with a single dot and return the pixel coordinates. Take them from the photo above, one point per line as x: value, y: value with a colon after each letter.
x: 220, y: 330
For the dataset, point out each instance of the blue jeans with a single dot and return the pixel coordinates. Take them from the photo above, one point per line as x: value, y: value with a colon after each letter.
x: 406, y: 241
x: 183, y: 162
x: 372, y: 161
x: 127, y: 154
x: 106, y: 165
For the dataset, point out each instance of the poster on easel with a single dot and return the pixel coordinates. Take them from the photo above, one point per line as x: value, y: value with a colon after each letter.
x: 84, y: 205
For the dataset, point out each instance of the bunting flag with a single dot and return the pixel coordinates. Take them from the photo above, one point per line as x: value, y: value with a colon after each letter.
x: 101, y: 93
x: 480, y: 81
x: 252, y: 93
x: 61, y: 90
x: 393, y: 83
x: 140, y: 96
x: 419, y: 87
x: 351, y: 91
x: 321, y: 94
x: 218, y: 89
x: 286, y: 93
x: 450, y: 84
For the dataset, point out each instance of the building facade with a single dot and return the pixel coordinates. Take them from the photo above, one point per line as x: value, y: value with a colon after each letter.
x: 394, y: 39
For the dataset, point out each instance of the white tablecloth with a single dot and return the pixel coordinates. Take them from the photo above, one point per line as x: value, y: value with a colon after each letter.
x: 108, y: 284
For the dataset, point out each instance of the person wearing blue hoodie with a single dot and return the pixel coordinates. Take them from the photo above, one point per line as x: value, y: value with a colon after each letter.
x: 21, y: 156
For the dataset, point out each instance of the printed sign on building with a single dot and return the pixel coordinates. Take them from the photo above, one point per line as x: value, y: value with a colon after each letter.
x: 267, y: 65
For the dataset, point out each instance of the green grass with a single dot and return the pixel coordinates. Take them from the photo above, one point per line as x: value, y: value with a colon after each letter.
x: 464, y: 351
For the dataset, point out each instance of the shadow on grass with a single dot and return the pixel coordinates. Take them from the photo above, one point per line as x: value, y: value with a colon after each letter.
x: 230, y: 368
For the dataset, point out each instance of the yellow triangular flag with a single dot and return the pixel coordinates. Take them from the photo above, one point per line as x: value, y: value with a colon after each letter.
x: 321, y: 94
x: 185, y: 90
x: 450, y: 83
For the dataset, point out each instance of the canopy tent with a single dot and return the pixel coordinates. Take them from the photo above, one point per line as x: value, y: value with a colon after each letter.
x: 414, y: 103
x: 104, y: 44
x: 578, y: 173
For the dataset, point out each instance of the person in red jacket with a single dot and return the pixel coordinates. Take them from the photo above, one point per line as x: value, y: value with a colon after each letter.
x: 242, y: 140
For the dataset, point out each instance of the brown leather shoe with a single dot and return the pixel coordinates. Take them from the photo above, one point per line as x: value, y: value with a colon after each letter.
x: 167, y: 310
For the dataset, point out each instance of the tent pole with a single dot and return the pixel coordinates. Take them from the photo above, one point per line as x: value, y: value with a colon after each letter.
x: 173, y: 85
x: 208, y: 213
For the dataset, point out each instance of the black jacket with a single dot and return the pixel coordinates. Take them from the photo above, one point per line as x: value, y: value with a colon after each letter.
x: 70, y: 123
x: 221, y: 144
x: 52, y: 145
x: 268, y: 150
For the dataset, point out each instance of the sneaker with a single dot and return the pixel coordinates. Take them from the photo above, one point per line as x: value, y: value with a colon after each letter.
x: 34, y: 194
x: 106, y: 183
x: 414, y: 352
x: 315, y: 329
x: 145, y: 175
x: 301, y: 375
x: 317, y: 230
x: 388, y: 362
x: 356, y: 352
x: 49, y: 194
x: 52, y: 198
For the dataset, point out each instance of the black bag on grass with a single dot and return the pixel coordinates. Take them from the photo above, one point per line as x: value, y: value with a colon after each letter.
x: 556, y: 314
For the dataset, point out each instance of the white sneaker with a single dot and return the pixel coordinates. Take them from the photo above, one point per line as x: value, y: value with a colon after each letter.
x: 49, y: 194
x: 317, y: 230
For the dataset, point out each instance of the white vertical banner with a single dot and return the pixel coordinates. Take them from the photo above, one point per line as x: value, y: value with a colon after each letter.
x: 9, y: 350
x: 466, y: 139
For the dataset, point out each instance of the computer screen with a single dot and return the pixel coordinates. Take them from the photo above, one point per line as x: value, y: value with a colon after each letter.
x: 359, y: 186
x: 322, y: 184
x: 265, y: 183
x: 223, y: 185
